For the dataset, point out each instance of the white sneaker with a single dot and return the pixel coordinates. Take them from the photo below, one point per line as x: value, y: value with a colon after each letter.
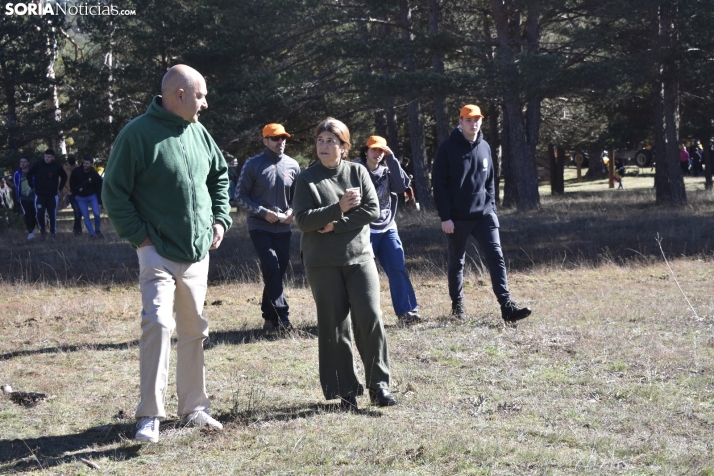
x: 201, y: 418
x: 31, y: 236
x: 148, y: 430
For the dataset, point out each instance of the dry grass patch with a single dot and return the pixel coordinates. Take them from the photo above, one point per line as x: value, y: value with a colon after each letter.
x: 612, y: 374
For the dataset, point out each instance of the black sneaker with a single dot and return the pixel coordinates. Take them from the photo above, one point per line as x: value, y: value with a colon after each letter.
x: 99, y: 235
x: 382, y: 397
x: 512, y: 313
x: 270, y: 327
x: 349, y: 403
x: 407, y: 318
x: 457, y: 309
x: 283, y: 326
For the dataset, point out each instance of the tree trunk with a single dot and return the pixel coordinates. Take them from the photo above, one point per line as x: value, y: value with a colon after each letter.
x: 390, y: 112
x: 560, y: 170
x: 552, y: 165
x: 510, y: 190
x: 416, y: 128
x: 521, y: 150
x: 596, y: 166
x: 437, y: 64
x: 671, y: 110
x: 663, y: 190
x: 421, y: 174
x: 522, y: 162
x: 494, y: 140
x: 9, y: 90
x: 380, y: 124
x: 393, y: 129
x: 57, y: 140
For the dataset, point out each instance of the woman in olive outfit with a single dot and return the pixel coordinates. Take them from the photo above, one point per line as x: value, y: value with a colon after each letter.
x: 334, y: 204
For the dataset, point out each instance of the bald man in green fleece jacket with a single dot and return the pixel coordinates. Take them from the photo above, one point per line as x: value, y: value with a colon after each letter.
x: 166, y: 193
x: 343, y: 277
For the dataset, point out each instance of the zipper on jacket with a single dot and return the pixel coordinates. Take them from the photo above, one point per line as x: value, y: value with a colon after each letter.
x: 190, y: 177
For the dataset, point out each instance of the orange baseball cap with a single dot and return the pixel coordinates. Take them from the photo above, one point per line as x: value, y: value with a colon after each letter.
x: 377, y: 142
x: 469, y: 111
x: 273, y: 130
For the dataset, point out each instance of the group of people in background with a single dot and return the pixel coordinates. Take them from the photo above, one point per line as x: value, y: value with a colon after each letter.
x: 166, y: 191
x: 690, y: 159
x: 38, y: 189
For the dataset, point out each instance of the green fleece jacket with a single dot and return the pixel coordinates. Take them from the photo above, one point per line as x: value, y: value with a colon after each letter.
x: 167, y: 179
x: 316, y: 203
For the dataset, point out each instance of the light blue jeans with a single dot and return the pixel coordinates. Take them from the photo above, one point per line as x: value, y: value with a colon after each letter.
x: 83, y: 203
x: 388, y: 249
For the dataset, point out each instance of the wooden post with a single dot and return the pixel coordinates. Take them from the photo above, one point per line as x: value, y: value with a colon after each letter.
x: 579, y: 166
x: 611, y: 169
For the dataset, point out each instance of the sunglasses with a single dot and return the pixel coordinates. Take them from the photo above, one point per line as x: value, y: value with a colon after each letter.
x: 277, y: 138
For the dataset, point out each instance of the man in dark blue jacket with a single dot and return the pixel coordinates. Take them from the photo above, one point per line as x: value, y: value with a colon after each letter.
x: 48, y: 178
x: 265, y: 191
x: 464, y: 192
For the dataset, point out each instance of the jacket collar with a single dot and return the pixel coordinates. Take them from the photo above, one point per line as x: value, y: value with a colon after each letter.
x: 170, y: 119
x: 457, y: 135
x: 272, y: 155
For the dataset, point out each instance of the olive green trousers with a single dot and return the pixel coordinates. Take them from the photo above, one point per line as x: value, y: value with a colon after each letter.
x: 347, y: 300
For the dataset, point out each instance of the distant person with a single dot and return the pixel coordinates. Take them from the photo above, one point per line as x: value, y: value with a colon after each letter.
x: 265, y: 191
x: 335, y: 202
x: 86, y: 186
x: 166, y: 193
x: 48, y: 178
x: 25, y: 197
x: 683, y: 159
x: 465, y: 197
x: 6, y: 200
x: 619, y: 174
x: 389, y: 180
x: 232, y: 188
x: 695, y: 159
x: 70, y: 166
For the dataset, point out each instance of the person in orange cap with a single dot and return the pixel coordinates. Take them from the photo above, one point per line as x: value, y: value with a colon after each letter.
x: 463, y: 179
x: 265, y: 191
x: 389, y: 179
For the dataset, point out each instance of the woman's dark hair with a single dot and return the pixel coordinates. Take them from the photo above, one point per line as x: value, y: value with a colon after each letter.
x: 363, y: 153
x: 337, y: 128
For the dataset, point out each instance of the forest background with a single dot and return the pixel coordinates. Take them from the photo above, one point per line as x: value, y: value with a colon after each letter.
x: 550, y: 76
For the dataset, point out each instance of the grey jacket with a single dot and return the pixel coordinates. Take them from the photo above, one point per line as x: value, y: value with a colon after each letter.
x: 267, y: 182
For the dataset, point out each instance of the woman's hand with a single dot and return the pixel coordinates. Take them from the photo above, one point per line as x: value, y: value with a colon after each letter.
x: 327, y: 228
x: 349, y: 200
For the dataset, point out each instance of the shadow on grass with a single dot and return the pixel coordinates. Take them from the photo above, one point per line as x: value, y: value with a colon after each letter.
x: 232, y: 337
x: 49, y: 451
x: 250, y: 336
x: 68, y: 348
x: 255, y: 416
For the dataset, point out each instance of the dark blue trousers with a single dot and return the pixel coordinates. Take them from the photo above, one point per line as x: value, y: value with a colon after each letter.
x: 273, y: 250
x: 77, y: 223
x: 485, y: 231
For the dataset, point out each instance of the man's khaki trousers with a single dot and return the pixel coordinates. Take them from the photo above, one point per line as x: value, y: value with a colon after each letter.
x: 168, y: 287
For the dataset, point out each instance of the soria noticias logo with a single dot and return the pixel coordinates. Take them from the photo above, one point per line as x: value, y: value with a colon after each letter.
x: 65, y: 8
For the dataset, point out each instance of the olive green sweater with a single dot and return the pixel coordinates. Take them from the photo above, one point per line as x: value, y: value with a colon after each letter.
x: 316, y: 203
x: 167, y: 179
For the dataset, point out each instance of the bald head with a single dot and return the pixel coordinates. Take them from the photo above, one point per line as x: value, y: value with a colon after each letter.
x: 183, y: 92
